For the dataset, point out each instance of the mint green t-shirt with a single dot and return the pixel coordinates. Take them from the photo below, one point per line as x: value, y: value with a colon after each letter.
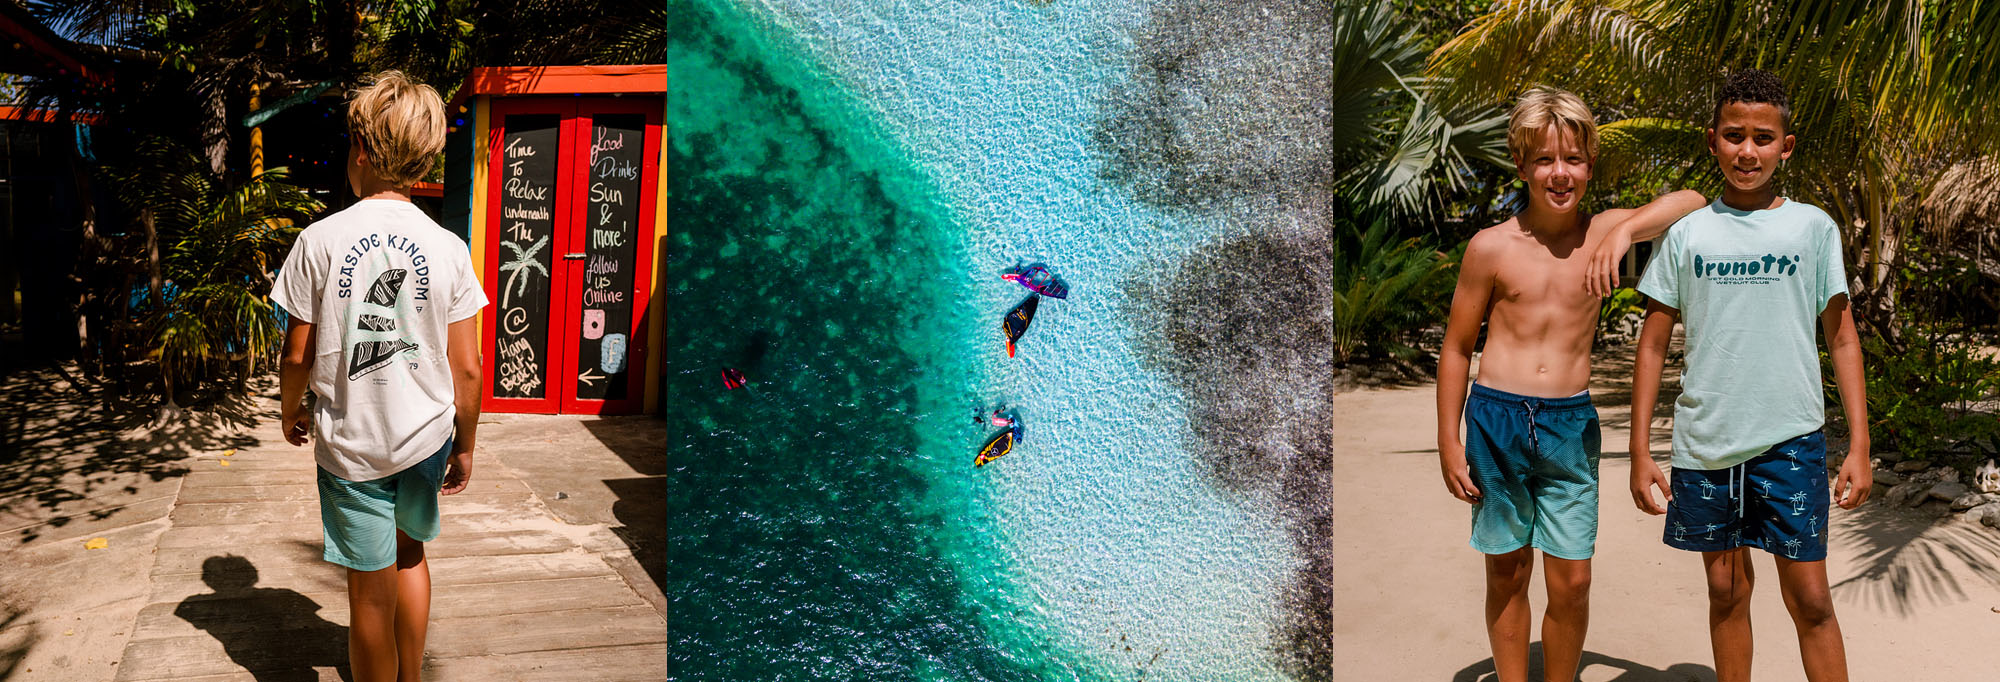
x: 1750, y: 286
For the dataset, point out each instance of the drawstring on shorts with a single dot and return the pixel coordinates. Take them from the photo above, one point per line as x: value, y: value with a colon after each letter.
x: 1739, y: 482
x: 1534, y: 439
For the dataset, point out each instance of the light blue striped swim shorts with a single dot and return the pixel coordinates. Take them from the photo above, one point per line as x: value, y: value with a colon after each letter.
x: 361, y: 517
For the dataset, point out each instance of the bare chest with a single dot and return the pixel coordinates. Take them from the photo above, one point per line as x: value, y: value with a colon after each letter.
x: 1542, y: 280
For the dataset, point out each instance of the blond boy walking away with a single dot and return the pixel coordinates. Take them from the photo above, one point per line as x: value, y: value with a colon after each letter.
x: 1749, y: 275
x: 1528, y: 460
x: 382, y: 303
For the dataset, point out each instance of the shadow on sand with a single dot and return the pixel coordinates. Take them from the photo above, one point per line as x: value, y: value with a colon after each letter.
x: 1628, y: 671
x: 1905, y: 559
x: 276, y: 634
x: 63, y: 443
x: 14, y: 643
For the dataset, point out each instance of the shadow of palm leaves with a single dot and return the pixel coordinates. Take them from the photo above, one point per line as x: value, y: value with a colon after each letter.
x: 1906, y: 559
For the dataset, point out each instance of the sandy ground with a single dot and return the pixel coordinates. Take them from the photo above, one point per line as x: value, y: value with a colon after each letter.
x: 1916, y: 595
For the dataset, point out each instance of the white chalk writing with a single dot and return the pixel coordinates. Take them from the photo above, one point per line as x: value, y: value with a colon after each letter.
x: 605, y: 143
x: 524, y: 213
x: 601, y: 194
x: 519, y: 373
x: 606, y: 238
x: 521, y: 189
x: 614, y: 167
x: 595, y: 297
x: 600, y: 265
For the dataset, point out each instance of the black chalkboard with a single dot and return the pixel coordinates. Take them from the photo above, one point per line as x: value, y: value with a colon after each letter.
x: 610, y: 246
x: 529, y: 156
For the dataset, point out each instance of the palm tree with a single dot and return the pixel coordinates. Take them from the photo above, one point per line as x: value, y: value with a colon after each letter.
x: 1885, y: 95
x: 221, y: 244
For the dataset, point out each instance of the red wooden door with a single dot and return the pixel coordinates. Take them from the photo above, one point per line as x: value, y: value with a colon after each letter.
x: 568, y: 253
x: 608, y: 265
x: 526, y: 218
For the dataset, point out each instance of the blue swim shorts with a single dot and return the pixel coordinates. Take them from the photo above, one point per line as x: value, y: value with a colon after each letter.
x: 1535, y: 461
x: 361, y: 517
x: 1776, y: 501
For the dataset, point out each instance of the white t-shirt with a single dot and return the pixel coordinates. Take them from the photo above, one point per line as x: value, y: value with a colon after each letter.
x: 381, y: 282
x: 1750, y: 286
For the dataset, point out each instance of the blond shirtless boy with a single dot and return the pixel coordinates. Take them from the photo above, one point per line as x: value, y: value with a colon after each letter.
x: 1528, y: 460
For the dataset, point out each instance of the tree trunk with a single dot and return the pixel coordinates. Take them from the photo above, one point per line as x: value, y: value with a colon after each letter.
x: 215, y: 128
x: 168, y: 408
x: 89, y: 254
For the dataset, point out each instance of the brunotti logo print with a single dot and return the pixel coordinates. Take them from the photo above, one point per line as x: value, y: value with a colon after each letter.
x: 1765, y: 269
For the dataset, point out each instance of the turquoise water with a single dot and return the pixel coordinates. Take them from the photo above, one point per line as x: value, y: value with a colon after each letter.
x: 846, y: 183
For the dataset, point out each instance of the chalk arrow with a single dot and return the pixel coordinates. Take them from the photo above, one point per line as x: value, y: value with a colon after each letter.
x: 589, y: 378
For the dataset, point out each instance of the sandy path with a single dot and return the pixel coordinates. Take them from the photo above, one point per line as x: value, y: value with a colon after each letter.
x: 1915, y: 594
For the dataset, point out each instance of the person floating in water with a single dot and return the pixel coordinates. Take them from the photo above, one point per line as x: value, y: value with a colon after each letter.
x: 1002, y: 417
x: 1003, y: 442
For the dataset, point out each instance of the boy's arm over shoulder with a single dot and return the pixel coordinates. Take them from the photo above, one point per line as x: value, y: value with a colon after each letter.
x: 1662, y: 279
x: 1615, y: 231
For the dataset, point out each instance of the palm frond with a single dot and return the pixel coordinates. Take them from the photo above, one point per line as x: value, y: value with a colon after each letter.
x: 1966, y: 194
x: 1431, y: 145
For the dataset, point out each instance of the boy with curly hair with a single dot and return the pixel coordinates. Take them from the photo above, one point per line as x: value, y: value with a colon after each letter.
x: 1749, y: 275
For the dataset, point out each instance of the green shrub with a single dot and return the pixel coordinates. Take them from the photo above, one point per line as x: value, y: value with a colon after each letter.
x: 1926, y: 371
x: 1620, y: 315
x: 1384, y: 292
x: 1919, y: 398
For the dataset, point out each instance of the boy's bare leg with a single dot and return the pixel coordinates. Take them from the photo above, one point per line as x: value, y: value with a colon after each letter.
x: 1811, y: 604
x: 413, y: 607
x: 371, y: 643
x: 1567, y: 616
x: 1507, y: 614
x: 1729, y: 583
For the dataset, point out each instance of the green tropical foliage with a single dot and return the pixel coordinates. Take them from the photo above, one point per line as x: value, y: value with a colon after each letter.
x: 1885, y: 95
x: 1920, y: 400
x: 1620, y: 316
x: 1930, y: 383
x: 218, y: 245
x: 1384, y: 289
x: 1403, y: 149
